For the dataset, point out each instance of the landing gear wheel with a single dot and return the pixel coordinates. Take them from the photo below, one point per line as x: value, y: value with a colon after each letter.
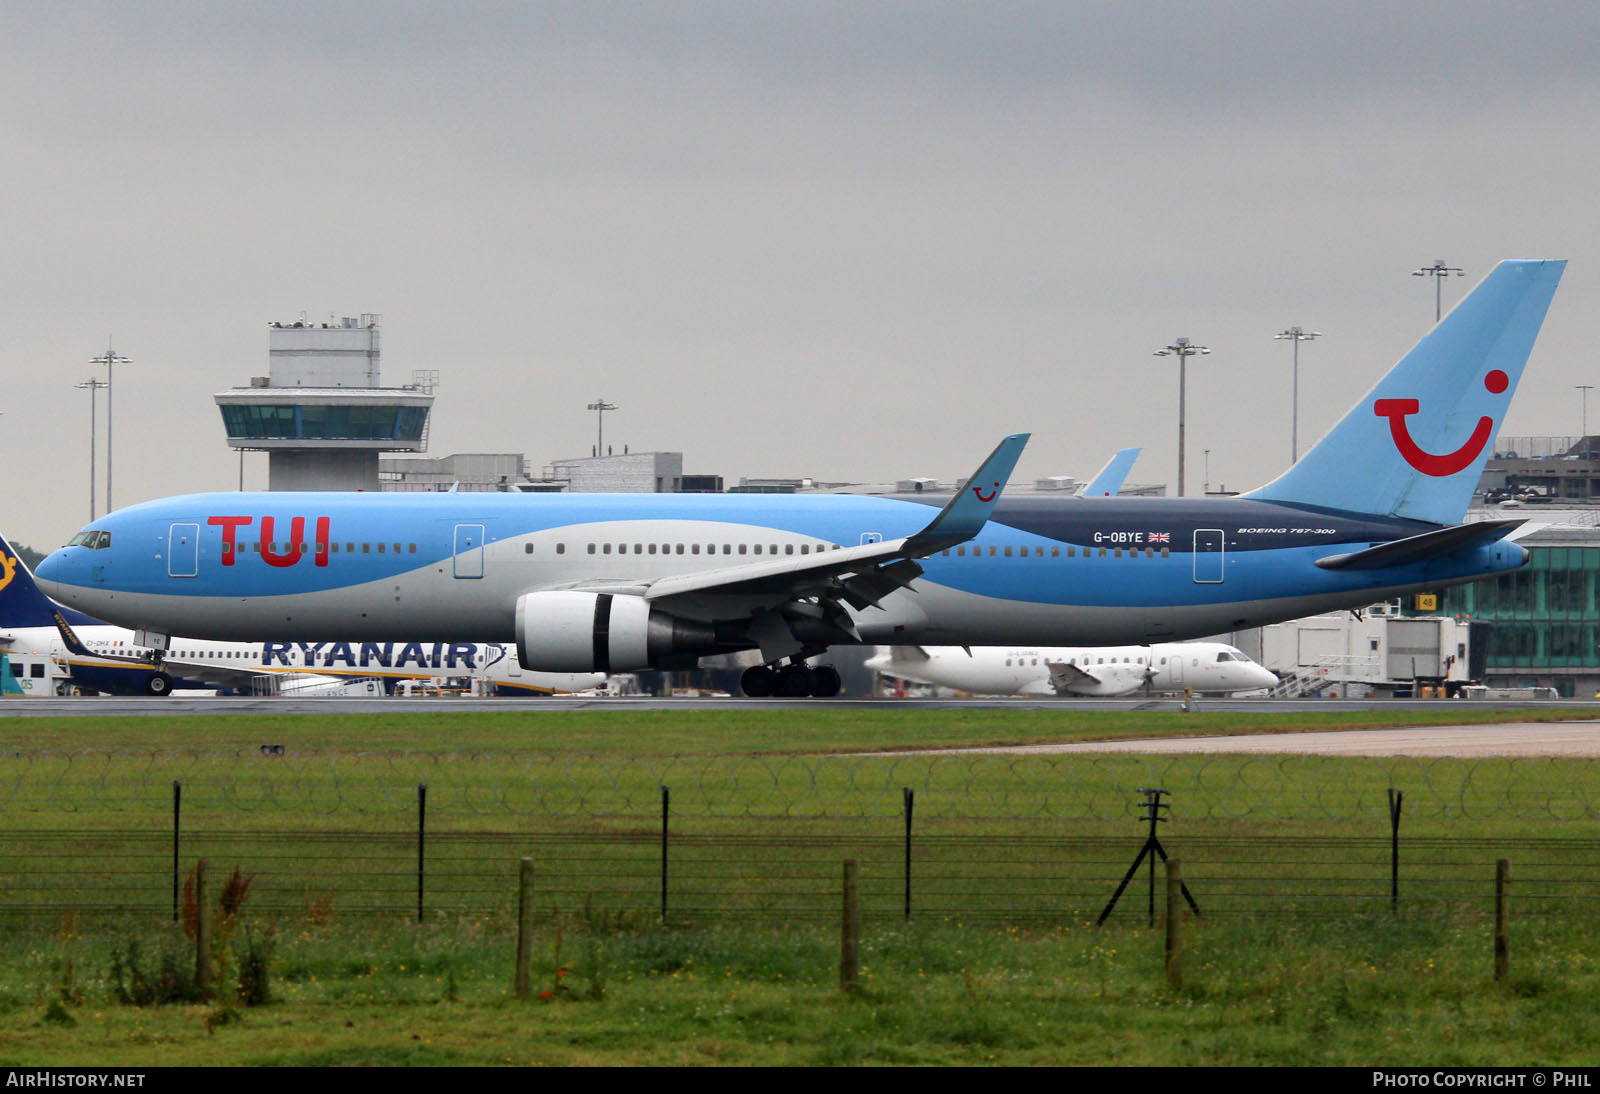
x: 795, y: 681
x: 825, y: 682
x: 758, y: 682
x: 158, y: 684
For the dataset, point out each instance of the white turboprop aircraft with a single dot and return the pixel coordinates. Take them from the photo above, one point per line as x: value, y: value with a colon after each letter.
x: 1076, y: 670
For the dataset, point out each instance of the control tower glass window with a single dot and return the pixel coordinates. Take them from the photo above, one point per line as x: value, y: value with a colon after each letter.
x: 355, y: 423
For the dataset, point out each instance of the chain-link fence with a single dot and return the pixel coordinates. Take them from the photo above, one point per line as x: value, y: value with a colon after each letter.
x: 467, y: 787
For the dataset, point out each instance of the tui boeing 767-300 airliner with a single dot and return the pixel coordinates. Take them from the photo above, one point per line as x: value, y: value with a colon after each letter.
x: 620, y: 582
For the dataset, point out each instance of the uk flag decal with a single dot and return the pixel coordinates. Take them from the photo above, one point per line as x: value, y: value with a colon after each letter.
x: 1159, y: 537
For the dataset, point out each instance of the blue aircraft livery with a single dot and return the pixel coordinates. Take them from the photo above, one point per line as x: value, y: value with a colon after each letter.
x: 613, y: 583
x: 55, y: 650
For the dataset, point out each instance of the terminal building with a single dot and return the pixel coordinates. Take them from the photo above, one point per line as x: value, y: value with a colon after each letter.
x: 1535, y: 627
x: 1559, y: 470
x: 321, y: 413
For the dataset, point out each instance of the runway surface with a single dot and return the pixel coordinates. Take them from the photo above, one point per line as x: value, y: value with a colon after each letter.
x: 179, y: 705
x: 1576, y: 739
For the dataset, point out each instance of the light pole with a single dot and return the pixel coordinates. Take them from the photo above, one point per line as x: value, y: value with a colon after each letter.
x: 1585, y: 388
x: 94, y: 384
x: 1182, y: 349
x: 600, y: 406
x: 110, y: 359
x: 1296, y: 335
x: 1438, y: 271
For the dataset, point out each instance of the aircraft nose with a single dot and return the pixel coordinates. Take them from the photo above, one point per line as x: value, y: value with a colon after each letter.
x: 51, y: 572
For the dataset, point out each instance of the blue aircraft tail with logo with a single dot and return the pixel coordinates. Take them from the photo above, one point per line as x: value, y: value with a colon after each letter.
x: 1415, y: 445
x: 22, y: 603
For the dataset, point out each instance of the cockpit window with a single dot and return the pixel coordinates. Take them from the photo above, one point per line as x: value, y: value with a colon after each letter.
x: 92, y: 538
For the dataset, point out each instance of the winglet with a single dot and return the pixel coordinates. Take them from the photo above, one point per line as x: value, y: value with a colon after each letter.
x: 1108, y: 480
x: 68, y: 635
x: 965, y: 514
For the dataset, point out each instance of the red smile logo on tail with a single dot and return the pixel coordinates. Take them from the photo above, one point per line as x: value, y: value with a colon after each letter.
x: 977, y: 492
x: 1397, y: 410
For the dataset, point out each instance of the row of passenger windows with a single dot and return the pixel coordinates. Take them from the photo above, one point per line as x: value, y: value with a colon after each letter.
x: 1023, y: 661
x: 218, y: 654
x: 694, y: 548
x: 806, y: 549
x: 1055, y: 552
x: 333, y: 548
x: 97, y: 541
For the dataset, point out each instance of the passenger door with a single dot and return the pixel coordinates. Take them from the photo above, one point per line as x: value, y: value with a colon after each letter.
x: 183, y: 550
x: 469, y: 551
x: 1208, y: 556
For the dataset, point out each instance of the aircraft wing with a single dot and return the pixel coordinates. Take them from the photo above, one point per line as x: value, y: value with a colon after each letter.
x: 809, y: 591
x: 1065, y: 677
x: 212, y: 675
x: 219, y: 676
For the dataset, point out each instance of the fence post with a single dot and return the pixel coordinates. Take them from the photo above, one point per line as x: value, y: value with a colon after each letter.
x: 202, y: 934
x: 524, y: 975
x: 666, y: 801
x: 850, y: 928
x: 177, y: 812
x: 1502, y: 915
x: 910, y: 800
x: 1395, y: 799
x: 422, y: 831
x: 1174, y: 924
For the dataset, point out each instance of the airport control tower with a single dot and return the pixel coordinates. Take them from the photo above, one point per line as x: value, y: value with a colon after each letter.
x: 321, y: 414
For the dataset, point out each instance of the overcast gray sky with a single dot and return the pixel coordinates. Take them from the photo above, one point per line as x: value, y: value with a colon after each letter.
x: 847, y: 240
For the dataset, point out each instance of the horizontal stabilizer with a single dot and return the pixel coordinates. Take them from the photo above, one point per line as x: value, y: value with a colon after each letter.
x: 1400, y: 552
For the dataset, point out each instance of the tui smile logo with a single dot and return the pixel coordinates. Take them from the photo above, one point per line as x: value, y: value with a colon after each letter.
x: 1448, y: 463
x: 977, y: 492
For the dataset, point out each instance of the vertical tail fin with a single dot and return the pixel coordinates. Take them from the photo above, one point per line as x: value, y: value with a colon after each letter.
x: 22, y: 603
x: 1415, y: 445
x: 1108, y: 480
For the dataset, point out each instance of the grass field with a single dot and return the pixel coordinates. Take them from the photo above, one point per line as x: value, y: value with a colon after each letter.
x: 995, y: 981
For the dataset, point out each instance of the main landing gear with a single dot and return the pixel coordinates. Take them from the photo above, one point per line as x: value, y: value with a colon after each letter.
x: 796, y: 680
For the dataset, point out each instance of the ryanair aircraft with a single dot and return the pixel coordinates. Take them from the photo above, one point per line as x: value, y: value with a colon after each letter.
x: 47, y: 649
x: 620, y: 582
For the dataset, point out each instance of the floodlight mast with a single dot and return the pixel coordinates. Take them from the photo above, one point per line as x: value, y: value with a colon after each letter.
x: 1297, y: 336
x: 600, y: 406
x: 1438, y: 271
x: 94, y: 384
x: 1182, y: 349
x: 110, y: 358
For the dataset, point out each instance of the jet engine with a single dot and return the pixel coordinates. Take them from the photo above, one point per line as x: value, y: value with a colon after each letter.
x: 570, y: 631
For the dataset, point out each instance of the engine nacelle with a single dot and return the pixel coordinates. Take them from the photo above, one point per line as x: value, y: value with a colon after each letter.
x: 566, y: 631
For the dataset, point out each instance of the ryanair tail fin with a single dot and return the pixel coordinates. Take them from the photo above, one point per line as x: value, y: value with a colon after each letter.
x: 1415, y: 445
x: 22, y: 604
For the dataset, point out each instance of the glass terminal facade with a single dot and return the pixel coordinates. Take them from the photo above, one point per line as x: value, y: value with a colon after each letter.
x: 1546, y: 620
